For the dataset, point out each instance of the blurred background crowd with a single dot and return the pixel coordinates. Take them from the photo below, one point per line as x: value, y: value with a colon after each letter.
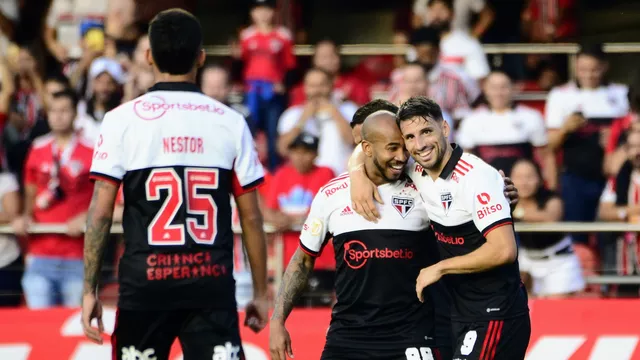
x: 565, y: 132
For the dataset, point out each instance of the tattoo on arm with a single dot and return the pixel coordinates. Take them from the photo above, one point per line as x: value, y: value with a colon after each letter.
x: 95, y: 240
x: 294, y: 281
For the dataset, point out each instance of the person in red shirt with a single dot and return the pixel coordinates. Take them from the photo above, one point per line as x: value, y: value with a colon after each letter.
x: 57, y: 191
x: 267, y: 53
x: 289, y: 198
x: 615, y: 151
x: 345, y: 87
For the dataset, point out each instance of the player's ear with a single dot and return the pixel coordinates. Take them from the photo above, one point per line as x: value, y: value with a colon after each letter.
x: 149, y: 57
x: 446, y: 130
x: 366, y: 147
x: 202, y: 57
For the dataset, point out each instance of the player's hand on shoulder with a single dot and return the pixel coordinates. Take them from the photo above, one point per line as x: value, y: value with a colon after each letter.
x: 510, y: 190
x: 257, y: 313
x: 364, y: 194
x: 279, y: 342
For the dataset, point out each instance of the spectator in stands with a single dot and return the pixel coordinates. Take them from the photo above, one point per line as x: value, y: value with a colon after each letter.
x: 7, y: 89
x: 106, y: 78
x: 620, y: 202
x: 448, y: 85
x: 502, y: 132
x: 615, y: 152
x: 465, y: 10
x: 140, y: 75
x: 549, y: 266
x: 57, y: 190
x: 456, y: 46
x: 326, y: 56
x: 322, y: 117
x: 215, y: 83
x: 579, y: 116
x: 289, y: 197
x: 551, y: 20
x: 10, y: 260
x: 267, y: 52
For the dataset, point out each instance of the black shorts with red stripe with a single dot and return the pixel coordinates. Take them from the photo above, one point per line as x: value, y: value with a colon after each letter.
x: 492, y: 340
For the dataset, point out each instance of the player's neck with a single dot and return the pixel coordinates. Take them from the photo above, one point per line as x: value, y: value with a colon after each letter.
x: 435, y: 172
x: 264, y: 28
x: 166, y: 77
x: 374, y: 174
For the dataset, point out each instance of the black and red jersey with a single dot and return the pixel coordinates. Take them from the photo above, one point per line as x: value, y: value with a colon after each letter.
x: 180, y: 155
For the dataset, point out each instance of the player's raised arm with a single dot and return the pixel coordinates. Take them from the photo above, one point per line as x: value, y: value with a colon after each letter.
x: 107, y: 169
x: 312, y: 240
x: 249, y: 174
x: 491, y: 215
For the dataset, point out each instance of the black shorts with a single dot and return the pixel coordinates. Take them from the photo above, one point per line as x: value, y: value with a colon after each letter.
x: 411, y: 353
x: 492, y: 340
x: 203, y: 334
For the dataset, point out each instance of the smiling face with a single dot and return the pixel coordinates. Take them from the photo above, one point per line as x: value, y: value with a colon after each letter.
x: 383, y: 145
x: 426, y: 140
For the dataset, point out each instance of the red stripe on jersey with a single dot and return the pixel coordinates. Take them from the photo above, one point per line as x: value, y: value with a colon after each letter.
x: 495, y: 345
x: 486, y: 339
x: 462, y: 167
x: 459, y: 172
x: 114, y: 345
x: 495, y: 227
x: 465, y: 164
x: 97, y: 177
x: 436, y: 354
x: 333, y: 181
x: 308, y: 251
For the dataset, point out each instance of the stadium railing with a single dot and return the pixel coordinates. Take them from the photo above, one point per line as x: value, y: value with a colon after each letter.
x: 568, y: 227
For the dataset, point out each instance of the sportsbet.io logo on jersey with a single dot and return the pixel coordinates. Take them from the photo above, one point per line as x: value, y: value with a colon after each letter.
x: 356, y: 254
x: 486, y: 210
x: 154, y: 107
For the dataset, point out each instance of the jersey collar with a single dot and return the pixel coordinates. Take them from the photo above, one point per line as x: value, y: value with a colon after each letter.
x: 175, y: 86
x: 453, y: 160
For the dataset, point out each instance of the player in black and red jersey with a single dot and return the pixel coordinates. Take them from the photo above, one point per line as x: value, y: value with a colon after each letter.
x: 179, y: 155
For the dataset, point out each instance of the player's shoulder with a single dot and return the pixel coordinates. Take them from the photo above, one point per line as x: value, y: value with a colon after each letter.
x: 85, y: 142
x: 336, y: 187
x: 42, y: 142
x: 527, y: 111
x: 618, y: 88
x: 564, y: 89
x: 248, y: 32
x: 471, y: 168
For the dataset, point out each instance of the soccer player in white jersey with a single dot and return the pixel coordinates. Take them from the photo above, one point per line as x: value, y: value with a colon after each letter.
x: 179, y: 155
x: 376, y: 315
x: 472, y: 223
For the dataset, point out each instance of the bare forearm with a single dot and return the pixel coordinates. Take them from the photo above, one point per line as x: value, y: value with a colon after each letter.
x: 293, y: 283
x: 95, y: 243
x: 343, y: 127
x: 611, y: 212
x: 357, y: 159
x: 550, y: 169
x: 29, y: 200
x: 285, y: 139
x: 486, y: 257
x: 484, y: 21
x: 556, y: 139
x: 255, y: 243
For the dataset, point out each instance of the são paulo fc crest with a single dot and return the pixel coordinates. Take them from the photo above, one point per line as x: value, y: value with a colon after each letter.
x: 446, y: 198
x: 402, y: 204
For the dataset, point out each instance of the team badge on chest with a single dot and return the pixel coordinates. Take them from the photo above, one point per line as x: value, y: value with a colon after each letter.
x: 402, y: 204
x: 446, y: 198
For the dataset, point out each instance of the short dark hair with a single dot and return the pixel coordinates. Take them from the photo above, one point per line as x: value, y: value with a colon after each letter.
x: 369, y: 108
x: 447, y: 3
x: 59, y: 79
x: 67, y: 94
x: 419, y: 106
x: 425, y: 35
x: 594, y: 50
x: 175, y: 37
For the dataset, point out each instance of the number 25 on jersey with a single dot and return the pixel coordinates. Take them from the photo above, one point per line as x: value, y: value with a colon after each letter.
x: 161, y: 231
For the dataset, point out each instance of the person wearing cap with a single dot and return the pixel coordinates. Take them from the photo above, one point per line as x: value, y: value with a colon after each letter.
x: 579, y: 115
x: 289, y: 198
x: 106, y: 78
x: 267, y: 53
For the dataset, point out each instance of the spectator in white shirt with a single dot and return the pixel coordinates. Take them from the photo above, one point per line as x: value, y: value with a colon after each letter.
x: 320, y: 117
x: 579, y: 116
x: 457, y: 46
x: 502, y: 132
x: 465, y: 10
x: 10, y: 262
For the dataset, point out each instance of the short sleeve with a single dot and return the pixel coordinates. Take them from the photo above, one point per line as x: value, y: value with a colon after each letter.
x: 8, y: 184
x: 314, y: 234
x: 554, y: 110
x: 288, y: 120
x: 476, y: 63
x: 486, y: 200
x: 609, y: 195
x: 538, y: 135
x: 248, y: 172
x: 108, y: 156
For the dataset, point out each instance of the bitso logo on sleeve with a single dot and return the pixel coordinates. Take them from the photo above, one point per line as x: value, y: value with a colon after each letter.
x: 402, y: 204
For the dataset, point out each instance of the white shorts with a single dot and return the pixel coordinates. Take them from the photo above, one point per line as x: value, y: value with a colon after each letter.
x: 555, y: 274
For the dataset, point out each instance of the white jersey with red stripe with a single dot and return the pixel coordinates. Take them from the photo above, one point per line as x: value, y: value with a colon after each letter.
x: 465, y: 203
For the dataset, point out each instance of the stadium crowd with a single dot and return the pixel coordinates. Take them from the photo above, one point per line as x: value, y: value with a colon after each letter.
x: 559, y: 151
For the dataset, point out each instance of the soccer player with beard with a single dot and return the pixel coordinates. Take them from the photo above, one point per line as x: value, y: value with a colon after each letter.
x: 473, y: 226
x: 376, y: 315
